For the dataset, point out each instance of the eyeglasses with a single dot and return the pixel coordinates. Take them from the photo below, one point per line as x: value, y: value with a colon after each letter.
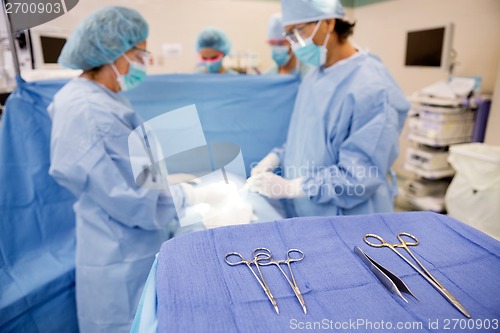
x: 298, y: 35
x: 142, y: 55
x: 278, y: 42
x: 211, y: 59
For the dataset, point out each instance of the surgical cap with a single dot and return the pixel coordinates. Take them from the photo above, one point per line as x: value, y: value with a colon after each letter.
x: 102, y: 37
x: 302, y: 11
x: 213, y: 38
x: 275, y: 28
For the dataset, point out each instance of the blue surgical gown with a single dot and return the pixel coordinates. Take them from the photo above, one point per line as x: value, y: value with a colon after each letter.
x: 119, y: 225
x: 344, y: 137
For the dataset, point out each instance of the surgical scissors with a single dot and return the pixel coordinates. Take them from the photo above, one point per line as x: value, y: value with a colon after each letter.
x: 264, y: 257
x: 424, y: 272
x: 262, y: 282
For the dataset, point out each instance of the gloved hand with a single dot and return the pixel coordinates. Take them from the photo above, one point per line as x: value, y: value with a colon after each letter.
x: 276, y: 187
x: 267, y: 164
x: 213, y: 194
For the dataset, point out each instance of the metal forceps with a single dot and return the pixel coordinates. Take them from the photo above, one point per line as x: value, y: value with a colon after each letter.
x: 262, y: 282
x: 423, y: 271
x: 264, y: 257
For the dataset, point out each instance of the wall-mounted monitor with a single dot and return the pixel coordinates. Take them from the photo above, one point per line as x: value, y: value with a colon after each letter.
x: 46, y: 48
x: 429, y: 47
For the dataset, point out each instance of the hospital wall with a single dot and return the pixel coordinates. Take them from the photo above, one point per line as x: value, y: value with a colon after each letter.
x: 179, y: 22
x: 493, y: 131
x: 382, y: 28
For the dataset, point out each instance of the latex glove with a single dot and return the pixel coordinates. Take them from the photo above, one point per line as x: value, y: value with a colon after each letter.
x: 275, y: 187
x: 267, y: 164
x: 213, y: 194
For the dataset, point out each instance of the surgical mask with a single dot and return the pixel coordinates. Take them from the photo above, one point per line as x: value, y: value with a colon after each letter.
x: 310, y: 53
x: 281, y: 55
x: 212, y: 66
x: 135, y: 76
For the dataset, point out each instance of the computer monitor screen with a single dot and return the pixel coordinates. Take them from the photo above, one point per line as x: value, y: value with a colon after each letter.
x: 429, y: 47
x: 51, y: 48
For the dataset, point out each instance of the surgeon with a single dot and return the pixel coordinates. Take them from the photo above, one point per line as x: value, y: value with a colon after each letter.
x: 212, y: 46
x: 344, y: 132
x: 284, y: 58
x: 120, y: 224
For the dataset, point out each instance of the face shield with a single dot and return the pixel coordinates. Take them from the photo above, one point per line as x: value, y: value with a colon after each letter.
x: 299, y: 36
x: 139, y: 55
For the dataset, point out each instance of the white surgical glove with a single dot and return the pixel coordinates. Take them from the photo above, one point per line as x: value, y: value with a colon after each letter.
x: 267, y: 164
x: 275, y: 187
x: 212, y: 194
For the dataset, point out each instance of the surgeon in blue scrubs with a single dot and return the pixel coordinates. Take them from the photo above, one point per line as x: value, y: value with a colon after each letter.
x: 120, y: 225
x: 283, y: 57
x: 344, y: 133
x: 212, y: 46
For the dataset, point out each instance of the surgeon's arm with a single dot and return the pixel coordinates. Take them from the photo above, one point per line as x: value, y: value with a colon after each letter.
x: 123, y: 200
x: 365, y: 158
x: 270, y: 162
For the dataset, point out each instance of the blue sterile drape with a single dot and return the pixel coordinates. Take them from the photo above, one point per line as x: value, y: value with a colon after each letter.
x: 340, y: 292
x: 36, y: 221
x: 251, y: 111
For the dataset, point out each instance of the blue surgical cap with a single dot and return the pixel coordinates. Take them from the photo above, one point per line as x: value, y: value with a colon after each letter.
x: 302, y: 11
x: 102, y: 37
x: 213, y: 38
x: 275, y: 28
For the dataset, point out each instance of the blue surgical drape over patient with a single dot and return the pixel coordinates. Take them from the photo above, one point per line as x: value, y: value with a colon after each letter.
x: 119, y: 225
x: 37, y: 223
x: 344, y: 137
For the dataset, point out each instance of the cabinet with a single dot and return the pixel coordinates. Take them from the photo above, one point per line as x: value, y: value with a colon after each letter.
x: 434, y: 125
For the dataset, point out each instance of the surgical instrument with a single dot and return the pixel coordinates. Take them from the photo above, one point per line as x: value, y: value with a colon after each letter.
x: 264, y: 257
x: 261, y: 280
x: 393, y: 283
x: 424, y: 272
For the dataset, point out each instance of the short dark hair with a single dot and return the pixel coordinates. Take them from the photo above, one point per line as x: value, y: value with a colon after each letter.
x: 343, y: 29
x: 93, y: 71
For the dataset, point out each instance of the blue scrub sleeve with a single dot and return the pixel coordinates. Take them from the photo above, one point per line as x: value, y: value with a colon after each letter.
x: 364, y: 159
x: 149, y: 209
